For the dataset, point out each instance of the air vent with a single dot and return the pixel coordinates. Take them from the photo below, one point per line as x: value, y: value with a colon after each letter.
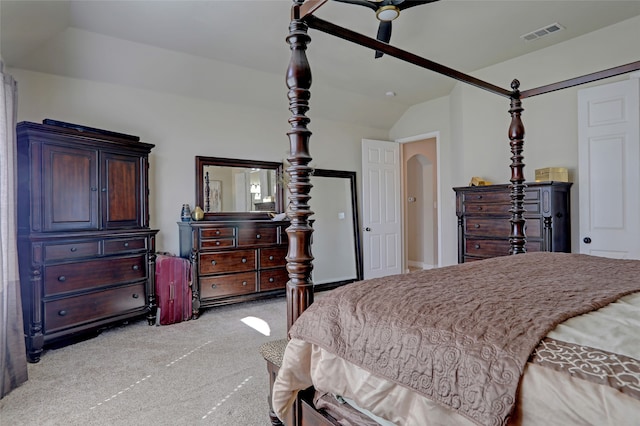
x: 549, y: 29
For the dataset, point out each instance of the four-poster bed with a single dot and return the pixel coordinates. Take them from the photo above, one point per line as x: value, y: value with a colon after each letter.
x: 315, y: 346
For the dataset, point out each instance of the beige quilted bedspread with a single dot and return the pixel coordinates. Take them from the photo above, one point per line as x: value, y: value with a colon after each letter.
x: 462, y: 335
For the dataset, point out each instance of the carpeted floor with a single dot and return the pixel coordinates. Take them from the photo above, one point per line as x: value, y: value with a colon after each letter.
x: 207, y: 371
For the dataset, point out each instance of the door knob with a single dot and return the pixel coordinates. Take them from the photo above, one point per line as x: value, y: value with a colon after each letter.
x: 367, y: 229
x: 587, y: 240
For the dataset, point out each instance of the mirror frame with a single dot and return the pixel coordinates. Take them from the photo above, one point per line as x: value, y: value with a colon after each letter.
x: 354, y: 217
x: 234, y: 162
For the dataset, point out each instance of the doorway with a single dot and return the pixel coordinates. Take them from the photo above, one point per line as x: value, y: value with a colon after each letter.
x: 420, y: 202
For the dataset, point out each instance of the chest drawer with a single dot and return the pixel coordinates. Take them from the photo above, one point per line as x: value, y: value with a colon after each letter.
x: 500, y: 227
x: 228, y: 285
x: 259, y: 235
x: 273, y: 257
x: 218, y: 243
x: 71, y: 250
x: 217, y: 232
x: 228, y: 261
x: 71, y: 277
x: 491, y: 248
x: 71, y: 311
x: 124, y: 245
x: 272, y: 279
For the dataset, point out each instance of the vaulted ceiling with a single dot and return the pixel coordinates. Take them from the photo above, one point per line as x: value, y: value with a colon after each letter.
x: 188, y: 47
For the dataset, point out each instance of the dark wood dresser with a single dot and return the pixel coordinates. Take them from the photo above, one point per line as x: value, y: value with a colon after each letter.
x: 484, y: 226
x: 86, y: 252
x: 234, y: 260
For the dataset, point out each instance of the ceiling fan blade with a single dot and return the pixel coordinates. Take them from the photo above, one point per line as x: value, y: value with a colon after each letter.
x: 365, y: 3
x: 410, y: 3
x: 384, y: 34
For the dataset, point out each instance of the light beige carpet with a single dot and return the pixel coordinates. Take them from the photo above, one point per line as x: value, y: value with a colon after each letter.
x: 206, y: 371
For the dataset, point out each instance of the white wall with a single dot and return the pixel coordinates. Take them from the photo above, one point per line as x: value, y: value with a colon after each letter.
x: 182, y: 128
x: 473, y: 129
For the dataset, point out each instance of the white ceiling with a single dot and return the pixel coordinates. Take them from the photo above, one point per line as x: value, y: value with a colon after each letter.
x: 246, y: 38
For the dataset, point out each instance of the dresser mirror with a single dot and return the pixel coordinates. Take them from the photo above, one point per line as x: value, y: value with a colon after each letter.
x: 227, y: 187
x: 336, y: 228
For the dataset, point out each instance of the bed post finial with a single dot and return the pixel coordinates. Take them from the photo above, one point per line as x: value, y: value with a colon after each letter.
x: 299, y: 258
x: 517, y: 238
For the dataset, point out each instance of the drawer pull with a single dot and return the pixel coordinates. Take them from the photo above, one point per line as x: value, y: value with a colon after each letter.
x: 479, y: 197
x: 477, y: 225
x: 214, y: 286
x: 271, y: 279
x: 126, y: 244
x: 257, y: 236
x: 62, y: 278
x: 244, y: 283
x: 73, y: 249
x: 217, y: 243
x: 479, y: 208
x: 93, y: 189
x: 217, y: 232
x: 62, y: 313
x: 135, y: 295
x: 213, y: 262
x: 477, y: 246
x: 271, y: 257
x: 104, y: 189
x: 136, y: 267
x: 244, y: 260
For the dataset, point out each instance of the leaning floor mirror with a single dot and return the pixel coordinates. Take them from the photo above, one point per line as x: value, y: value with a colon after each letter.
x: 336, y: 236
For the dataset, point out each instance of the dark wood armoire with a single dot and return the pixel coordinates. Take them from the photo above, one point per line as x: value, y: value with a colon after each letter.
x: 86, y: 252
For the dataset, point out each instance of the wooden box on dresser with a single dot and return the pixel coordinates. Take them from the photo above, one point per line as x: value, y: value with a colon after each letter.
x: 234, y: 260
x: 85, y: 249
x: 484, y: 226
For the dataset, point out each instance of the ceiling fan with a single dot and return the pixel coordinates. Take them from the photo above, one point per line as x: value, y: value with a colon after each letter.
x: 386, y: 12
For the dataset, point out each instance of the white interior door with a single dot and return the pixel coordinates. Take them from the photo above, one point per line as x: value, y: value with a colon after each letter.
x: 609, y: 161
x: 381, y: 216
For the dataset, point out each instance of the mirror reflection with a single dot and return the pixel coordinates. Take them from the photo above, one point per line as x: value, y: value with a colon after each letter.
x: 238, y: 189
x: 226, y: 185
x: 336, y: 230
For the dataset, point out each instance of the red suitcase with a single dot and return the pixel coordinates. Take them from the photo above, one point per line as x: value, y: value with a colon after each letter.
x: 173, y: 289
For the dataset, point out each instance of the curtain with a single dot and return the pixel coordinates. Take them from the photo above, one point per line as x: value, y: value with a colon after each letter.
x: 13, y: 360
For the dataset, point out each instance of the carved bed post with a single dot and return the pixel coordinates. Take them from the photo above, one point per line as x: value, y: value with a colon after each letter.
x: 517, y: 238
x: 299, y: 258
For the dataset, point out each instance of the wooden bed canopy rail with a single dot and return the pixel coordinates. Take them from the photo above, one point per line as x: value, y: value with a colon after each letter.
x: 299, y: 257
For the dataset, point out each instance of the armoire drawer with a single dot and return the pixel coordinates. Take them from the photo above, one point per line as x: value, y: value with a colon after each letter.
x: 272, y: 279
x: 71, y: 250
x: 227, y: 261
x: 124, y: 245
x: 70, y: 277
x: 71, y: 311
x: 227, y: 285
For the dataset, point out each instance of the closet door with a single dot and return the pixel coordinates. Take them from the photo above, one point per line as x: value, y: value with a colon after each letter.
x: 70, y: 188
x: 609, y: 173
x: 121, y: 189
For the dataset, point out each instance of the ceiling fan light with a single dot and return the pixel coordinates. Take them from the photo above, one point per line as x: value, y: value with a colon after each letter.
x: 387, y: 13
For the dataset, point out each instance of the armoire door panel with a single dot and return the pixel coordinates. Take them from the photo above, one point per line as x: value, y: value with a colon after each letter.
x: 71, y: 196
x: 121, y: 191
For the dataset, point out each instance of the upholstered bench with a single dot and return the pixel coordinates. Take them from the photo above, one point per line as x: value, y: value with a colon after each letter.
x: 273, y: 352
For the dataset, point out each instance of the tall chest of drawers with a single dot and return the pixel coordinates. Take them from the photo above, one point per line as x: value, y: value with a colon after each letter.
x: 85, y: 249
x: 484, y: 226
x: 234, y: 261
